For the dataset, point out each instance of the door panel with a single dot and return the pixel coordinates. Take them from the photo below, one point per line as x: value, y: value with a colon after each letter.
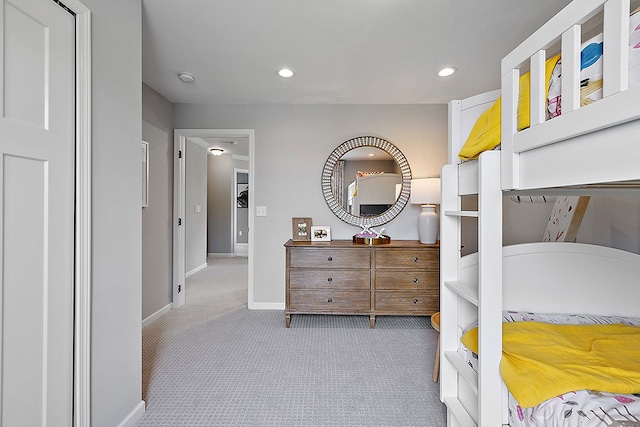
x: 37, y: 173
x: 26, y: 73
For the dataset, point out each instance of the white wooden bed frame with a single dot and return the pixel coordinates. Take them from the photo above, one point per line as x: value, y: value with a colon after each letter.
x: 587, y: 148
x: 379, y: 189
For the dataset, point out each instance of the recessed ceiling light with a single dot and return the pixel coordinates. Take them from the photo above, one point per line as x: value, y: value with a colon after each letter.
x: 447, y: 71
x: 286, y: 73
x: 370, y: 154
x: 186, y: 77
x: 216, y: 151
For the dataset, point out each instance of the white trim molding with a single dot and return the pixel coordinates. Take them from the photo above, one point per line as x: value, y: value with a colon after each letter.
x: 133, y: 417
x: 241, y: 249
x: 195, y: 270
x: 267, y: 306
x: 82, y: 290
x: 155, y: 316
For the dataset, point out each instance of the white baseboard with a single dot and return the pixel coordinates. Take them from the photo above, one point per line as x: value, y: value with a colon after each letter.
x: 133, y: 416
x: 222, y: 254
x: 266, y: 306
x: 242, y: 249
x: 195, y: 270
x: 149, y: 320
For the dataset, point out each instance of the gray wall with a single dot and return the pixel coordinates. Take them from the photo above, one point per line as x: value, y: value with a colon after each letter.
x: 195, y: 195
x: 613, y: 221
x: 221, y: 202
x: 610, y: 221
x: 157, y: 218
x: 292, y: 143
x: 116, y: 219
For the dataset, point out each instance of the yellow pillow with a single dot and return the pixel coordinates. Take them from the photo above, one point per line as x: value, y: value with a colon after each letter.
x: 485, y: 134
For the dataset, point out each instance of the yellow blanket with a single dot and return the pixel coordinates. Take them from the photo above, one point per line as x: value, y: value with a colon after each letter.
x: 486, y: 132
x: 541, y: 360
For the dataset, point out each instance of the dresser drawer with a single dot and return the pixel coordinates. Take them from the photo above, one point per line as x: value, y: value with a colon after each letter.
x: 417, y: 302
x: 329, y: 301
x: 300, y: 278
x: 407, y: 280
x: 426, y: 259
x: 330, y: 258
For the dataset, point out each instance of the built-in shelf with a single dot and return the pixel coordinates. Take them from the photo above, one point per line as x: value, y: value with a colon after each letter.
x: 473, y: 214
x: 466, y: 291
x: 467, y: 372
x: 457, y: 410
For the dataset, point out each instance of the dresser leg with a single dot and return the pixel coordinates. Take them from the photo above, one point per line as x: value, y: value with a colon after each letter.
x: 287, y: 320
x: 372, y: 320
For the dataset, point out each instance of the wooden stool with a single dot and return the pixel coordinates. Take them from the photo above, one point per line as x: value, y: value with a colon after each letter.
x: 435, y: 322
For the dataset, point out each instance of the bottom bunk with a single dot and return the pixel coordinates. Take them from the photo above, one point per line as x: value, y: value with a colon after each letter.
x: 551, y: 286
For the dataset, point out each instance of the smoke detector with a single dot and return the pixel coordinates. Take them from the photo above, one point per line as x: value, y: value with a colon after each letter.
x: 186, y: 77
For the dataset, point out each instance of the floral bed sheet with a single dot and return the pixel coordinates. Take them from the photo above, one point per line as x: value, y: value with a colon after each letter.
x: 582, y: 408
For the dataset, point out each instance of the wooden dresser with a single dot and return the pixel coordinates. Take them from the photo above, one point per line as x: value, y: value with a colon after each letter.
x: 340, y: 277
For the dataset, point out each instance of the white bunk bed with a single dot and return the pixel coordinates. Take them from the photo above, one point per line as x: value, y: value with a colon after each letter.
x: 585, y: 149
x: 376, y: 192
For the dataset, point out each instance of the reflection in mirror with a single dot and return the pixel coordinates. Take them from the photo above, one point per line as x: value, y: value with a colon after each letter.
x: 365, y: 181
x: 371, y: 181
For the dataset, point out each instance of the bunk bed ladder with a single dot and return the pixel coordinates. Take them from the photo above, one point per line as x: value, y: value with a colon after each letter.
x: 472, y: 398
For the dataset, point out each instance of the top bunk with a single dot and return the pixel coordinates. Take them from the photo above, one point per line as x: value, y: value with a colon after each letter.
x: 372, y: 193
x: 568, y: 111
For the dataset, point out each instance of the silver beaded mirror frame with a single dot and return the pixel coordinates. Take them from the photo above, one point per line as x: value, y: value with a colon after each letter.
x: 338, y: 209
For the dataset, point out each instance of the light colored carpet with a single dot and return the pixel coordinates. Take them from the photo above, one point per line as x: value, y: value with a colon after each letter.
x: 216, y: 363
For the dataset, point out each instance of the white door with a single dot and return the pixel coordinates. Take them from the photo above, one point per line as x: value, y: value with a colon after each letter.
x: 37, y: 172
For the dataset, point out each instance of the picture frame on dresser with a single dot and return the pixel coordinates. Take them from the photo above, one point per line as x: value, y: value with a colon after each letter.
x: 301, y: 229
x: 320, y: 233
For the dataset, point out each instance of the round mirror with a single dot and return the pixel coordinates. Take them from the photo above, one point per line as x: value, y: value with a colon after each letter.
x: 366, y: 181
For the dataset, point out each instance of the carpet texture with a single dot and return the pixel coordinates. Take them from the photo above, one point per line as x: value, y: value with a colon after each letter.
x: 216, y: 363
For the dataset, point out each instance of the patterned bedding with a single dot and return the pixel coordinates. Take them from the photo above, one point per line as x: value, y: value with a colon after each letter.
x: 584, y: 408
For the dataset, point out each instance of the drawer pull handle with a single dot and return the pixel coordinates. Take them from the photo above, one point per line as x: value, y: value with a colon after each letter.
x: 415, y: 301
x: 415, y: 259
x: 329, y: 299
x: 330, y: 258
x: 415, y: 280
x: 329, y: 280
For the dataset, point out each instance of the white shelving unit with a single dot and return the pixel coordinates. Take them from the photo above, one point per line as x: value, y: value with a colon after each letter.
x: 466, y: 284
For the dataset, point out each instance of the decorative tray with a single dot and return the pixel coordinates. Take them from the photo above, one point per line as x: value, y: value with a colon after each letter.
x: 382, y: 240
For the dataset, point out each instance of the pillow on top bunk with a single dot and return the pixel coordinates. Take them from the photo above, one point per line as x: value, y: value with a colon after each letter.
x: 485, y: 134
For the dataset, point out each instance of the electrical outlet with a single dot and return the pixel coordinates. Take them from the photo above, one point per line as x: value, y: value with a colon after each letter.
x: 240, y: 233
x: 261, y: 211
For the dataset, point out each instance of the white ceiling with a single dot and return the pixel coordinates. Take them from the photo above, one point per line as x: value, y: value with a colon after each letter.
x: 236, y: 145
x: 343, y: 51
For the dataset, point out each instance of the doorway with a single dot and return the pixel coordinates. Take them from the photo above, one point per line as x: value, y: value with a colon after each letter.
x: 205, y: 138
